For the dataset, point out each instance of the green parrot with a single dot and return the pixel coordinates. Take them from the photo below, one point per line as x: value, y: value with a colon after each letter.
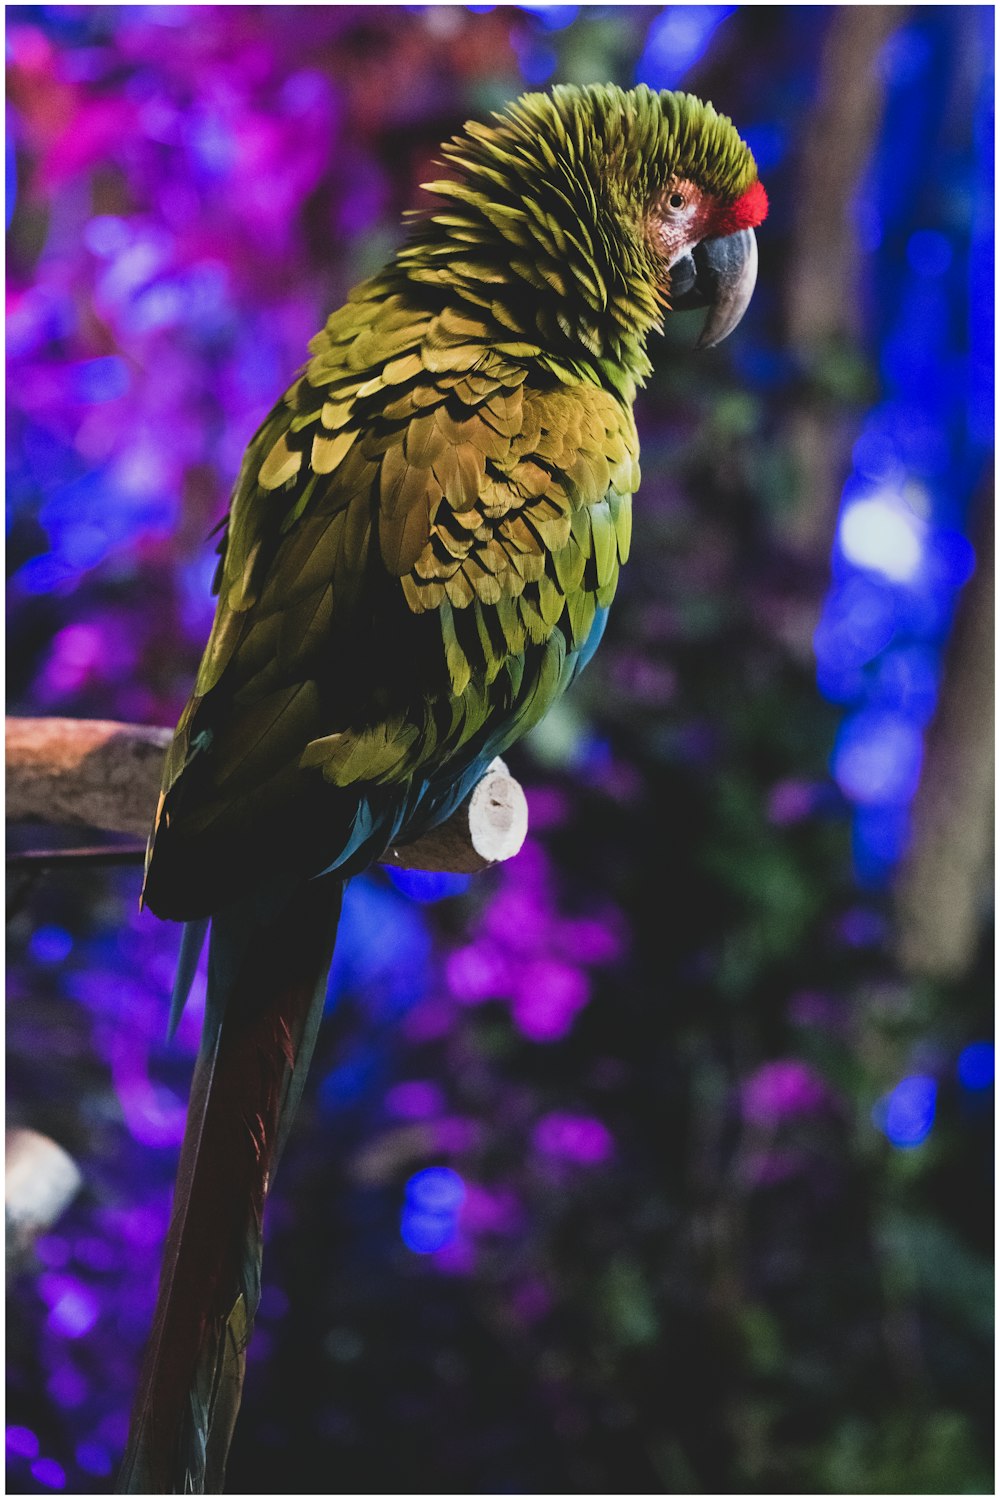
x: 422, y: 546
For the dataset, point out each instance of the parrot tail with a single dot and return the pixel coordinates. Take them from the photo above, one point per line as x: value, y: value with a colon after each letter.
x: 266, y: 988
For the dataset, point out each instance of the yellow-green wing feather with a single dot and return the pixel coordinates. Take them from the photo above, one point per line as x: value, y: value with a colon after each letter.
x: 419, y: 448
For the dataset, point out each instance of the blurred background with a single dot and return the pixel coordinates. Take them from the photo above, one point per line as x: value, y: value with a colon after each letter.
x: 660, y: 1159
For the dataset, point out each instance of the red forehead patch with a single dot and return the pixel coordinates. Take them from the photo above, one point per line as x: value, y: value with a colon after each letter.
x: 749, y: 210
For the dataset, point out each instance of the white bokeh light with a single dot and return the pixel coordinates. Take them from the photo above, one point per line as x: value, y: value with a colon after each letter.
x: 882, y: 533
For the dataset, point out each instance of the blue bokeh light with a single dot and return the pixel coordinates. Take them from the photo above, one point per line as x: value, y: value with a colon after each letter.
x: 429, y: 885
x: 351, y: 1080
x: 877, y: 757
x: 858, y: 621
x: 678, y: 37
x: 905, y: 678
x: 982, y: 266
x: 977, y: 1066
x: 424, y: 1233
x: 537, y: 62
x: 383, y: 948
x: 99, y: 380
x: 46, y: 575
x: 768, y: 141
x: 50, y: 945
x: 10, y: 170
x: 881, y: 836
x: 929, y: 252
x: 951, y: 562
x: 906, y: 1116
x: 552, y: 17
x: 876, y: 453
x: 433, y: 1201
x: 436, y: 1190
x: 94, y: 1458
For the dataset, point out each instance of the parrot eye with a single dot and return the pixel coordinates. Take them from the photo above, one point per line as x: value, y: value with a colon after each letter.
x: 676, y: 200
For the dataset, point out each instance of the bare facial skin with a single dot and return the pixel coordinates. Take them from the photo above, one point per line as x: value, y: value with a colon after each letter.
x: 681, y: 218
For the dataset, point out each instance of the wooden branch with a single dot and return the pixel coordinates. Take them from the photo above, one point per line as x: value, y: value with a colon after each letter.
x: 825, y: 292
x: 99, y: 774
x: 942, y: 890
x: 85, y: 772
x: 824, y: 299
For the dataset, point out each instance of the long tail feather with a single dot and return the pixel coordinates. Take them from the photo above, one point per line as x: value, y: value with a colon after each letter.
x: 193, y: 936
x: 267, y: 982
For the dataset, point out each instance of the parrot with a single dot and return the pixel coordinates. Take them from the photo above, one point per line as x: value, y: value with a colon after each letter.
x: 419, y: 557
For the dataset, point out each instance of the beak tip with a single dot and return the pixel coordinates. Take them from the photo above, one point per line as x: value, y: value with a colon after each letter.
x: 731, y: 264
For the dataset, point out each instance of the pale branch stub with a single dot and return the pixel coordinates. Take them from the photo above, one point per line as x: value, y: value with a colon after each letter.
x: 95, y: 773
x: 40, y: 1181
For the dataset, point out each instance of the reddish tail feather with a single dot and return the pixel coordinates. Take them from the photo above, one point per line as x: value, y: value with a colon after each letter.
x: 267, y: 984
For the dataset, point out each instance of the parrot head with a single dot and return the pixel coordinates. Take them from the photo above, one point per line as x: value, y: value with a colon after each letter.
x: 709, y: 251
x: 617, y: 205
x: 703, y: 229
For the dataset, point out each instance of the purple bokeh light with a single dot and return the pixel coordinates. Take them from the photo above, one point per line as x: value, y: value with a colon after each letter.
x: 73, y: 1307
x: 580, y: 1139
x: 416, y: 1100
x: 783, y: 1090
x: 548, y: 994
x: 49, y: 1473
x: 22, y: 1442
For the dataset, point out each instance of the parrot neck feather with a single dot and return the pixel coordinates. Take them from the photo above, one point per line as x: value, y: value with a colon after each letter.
x: 544, y: 224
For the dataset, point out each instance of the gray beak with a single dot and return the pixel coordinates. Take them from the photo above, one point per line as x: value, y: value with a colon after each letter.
x: 720, y: 275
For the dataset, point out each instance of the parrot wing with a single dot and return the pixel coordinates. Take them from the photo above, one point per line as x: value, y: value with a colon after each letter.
x: 420, y: 540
